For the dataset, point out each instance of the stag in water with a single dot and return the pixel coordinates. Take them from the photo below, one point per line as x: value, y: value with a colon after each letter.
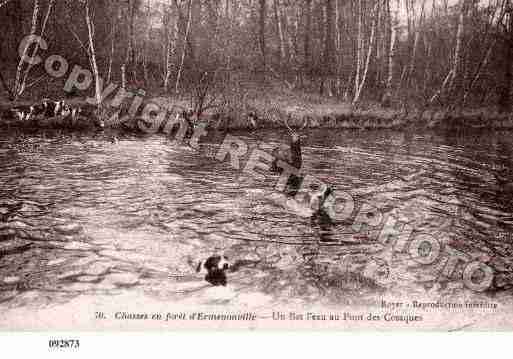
x: 291, y: 155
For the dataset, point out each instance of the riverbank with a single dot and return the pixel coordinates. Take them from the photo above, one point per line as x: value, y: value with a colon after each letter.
x: 271, y: 107
x: 346, y: 116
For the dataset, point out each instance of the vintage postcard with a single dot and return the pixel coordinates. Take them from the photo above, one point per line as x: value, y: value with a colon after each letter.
x: 309, y: 164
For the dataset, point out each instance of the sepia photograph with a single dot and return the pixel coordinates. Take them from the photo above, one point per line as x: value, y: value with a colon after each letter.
x: 173, y: 165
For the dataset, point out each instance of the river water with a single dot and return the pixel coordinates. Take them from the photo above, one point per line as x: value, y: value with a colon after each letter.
x: 103, y: 214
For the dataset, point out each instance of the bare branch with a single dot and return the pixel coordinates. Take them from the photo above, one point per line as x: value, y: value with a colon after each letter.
x: 36, y: 49
x: 6, y: 88
x: 75, y: 35
x: 17, y: 82
x: 3, y: 3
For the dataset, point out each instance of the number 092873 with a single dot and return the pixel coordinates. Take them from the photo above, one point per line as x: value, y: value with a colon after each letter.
x: 64, y: 343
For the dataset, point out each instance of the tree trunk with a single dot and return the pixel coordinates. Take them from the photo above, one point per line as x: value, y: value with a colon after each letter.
x: 329, y: 48
x: 6, y: 88
x: 293, y: 35
x: 147, y: 44
x: 368, y: 57
x: 36, y: 48
x: 456, y: 85
x: 17, y: 82
x: 92, y: 54
x: 261, y: 33
x: 212, y: 44
x: 308, y: 30
x: 359, y: 47
x: 279, y: 28
x: 123, y: 77
x: 113, y: 29
x: 4, y: 2
x: 392, y: 25
x: 193, y: 32
x: 338, y: 48
x: 182, y: 28
x: 185, y: 42
x: 379, y: 55
x: 477, y: 75
x: 416, y: 39
x: 171, y: 36
x: 130, y: 54
x: 505, y: 89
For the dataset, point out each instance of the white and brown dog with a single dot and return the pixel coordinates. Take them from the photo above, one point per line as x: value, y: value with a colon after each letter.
x: 214, y: 268
x: 47, y: 108
x: 20, y: 114
x: 322, y: 203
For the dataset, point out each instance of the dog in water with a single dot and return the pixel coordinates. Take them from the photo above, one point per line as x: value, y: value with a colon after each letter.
x: 47, y: 108
x: 20, y: 114
x: 322, y: 202
x: 214, y: 268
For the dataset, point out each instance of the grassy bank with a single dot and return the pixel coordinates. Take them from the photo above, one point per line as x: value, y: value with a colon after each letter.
x: 271, y: 106
x: 274, y: 104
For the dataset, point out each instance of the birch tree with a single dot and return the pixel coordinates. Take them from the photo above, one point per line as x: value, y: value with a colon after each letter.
x: 129, y: 64
x: 113, y: 29
x: 365, y: 70
x: 507, y: 63
x: 171, y: 33
x: 17, y: 88
x: 392, y: 25
x: 185, y: 43
x: 147, y: 40
x: 456, y: 78
x: 279, y: 29
x: 4, y: 2
x: 92, y: 55
x: 359, y: 46
x: 307, y: 37
x: 36, y: 47
x: 261, y: 32
x: 329, y: 48
x: 416, y: 39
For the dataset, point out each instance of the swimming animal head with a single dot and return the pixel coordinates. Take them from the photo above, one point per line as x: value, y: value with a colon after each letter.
x: 20, y: 114
x: 322, y: 199
x: 99, y: 123
x: 65, y: 109
x: 214, y: 268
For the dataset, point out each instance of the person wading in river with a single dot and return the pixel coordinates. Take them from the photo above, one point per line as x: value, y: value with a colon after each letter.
x: 292, y: 156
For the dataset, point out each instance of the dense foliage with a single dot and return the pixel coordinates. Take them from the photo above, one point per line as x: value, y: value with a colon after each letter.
x: 427, y: 52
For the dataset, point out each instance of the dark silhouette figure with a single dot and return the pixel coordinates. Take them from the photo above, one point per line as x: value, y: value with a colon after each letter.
x: 53, y: 108
x: 292, y: 156
x: 215, y: 268
x: 84, y: 117
x: 47, y: 108
x: 187, y: 116
x: 39, y: 109
x: 321, y: 207
x: 17, y: 113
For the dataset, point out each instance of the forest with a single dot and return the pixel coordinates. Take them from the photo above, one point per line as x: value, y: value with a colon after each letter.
x: 239, y: 56
x: 256, y: 157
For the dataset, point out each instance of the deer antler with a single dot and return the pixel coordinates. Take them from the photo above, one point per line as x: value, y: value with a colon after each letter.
x: 291, y: 131
x: 286, y: 123
x: 305, y: 122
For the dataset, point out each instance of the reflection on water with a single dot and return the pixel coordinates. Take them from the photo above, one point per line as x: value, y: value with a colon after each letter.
x: 82, y: 214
